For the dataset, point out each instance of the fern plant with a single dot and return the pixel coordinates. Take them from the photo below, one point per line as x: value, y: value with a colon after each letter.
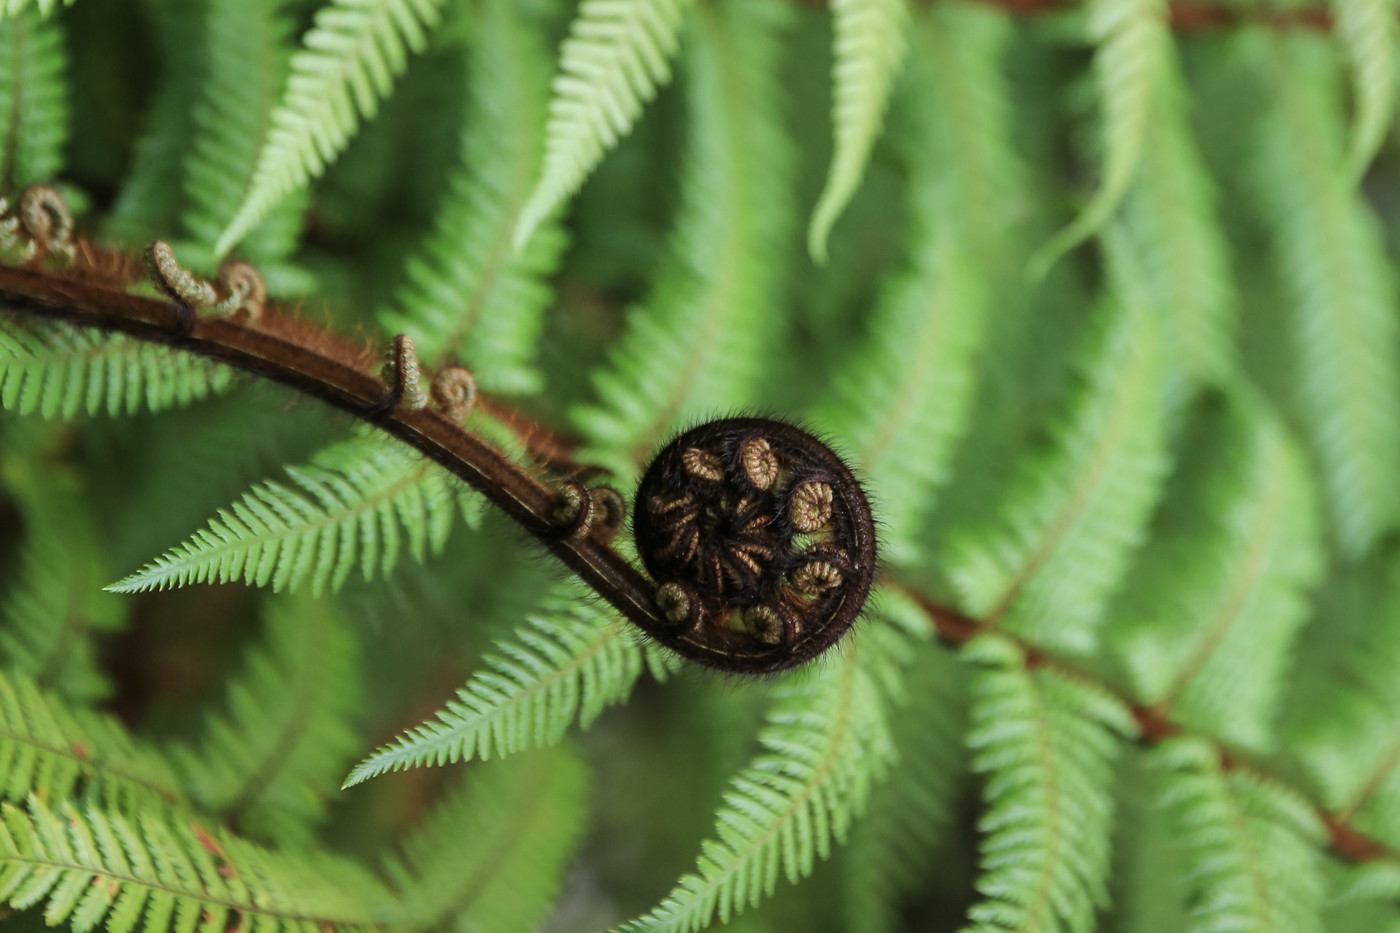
x: 327, y: 325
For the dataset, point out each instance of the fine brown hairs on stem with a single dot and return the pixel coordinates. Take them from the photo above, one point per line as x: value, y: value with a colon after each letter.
x: 761, y: 541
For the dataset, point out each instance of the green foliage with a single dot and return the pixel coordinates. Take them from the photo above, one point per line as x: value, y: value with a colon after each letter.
x: 33, y: 95
x: 16, y: 7
x: 1368, y: 31
x: 357, y: 502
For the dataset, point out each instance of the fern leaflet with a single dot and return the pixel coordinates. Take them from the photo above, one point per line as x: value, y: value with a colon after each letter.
x: 269, y: 760
x: 348, y: 61
x: 467, y: 294
x: 355, y: 503
x: 1047, y: 745
x: 575, y: 659
x: 869, y: 49
x: 59, y: 371
x: 16, y: 7
x: 33, y: 100
x: 1368, y: 31
x: 617, y: 54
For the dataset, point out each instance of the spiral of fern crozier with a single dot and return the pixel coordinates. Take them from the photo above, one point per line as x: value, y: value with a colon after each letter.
x: 761, y: 542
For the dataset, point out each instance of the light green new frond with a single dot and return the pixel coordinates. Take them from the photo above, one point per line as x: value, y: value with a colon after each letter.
x: 33, y: 100
x: 1073, y: 516
x: 55, y: 604
x: 1047, y: 746
x: 57, y: 371
x: 701, y: 341
x: 868, y: 50
x: 268, y: 761
x: 573, y: 660
x: 1209, y: 616
x: 826, y: 742
x: 468, y: 294
x: 1331, y: 255
x: 58, y: 751
x: 92, y: 866
x: 347, y: 64
x: 1132, y: 40
x: 10, y: 8
x: 617, y: 54
x: 1170, y: 216
x: 492, y: 856
x: 357, y: 502
x: 1369, y: 32
x: 1251, y: 847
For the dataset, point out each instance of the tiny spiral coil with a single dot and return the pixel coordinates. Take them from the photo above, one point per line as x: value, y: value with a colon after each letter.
x: 761, y: 542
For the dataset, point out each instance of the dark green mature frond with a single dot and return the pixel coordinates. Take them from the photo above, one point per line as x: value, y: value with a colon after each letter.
x: 617, y: 54
x: 160, y: 870
x: 269, y: 759
x: 572, y: 660
x: 57, y: 371
x: 1074, y: 515
x: 492, y: 856
x: 55, y: 605
x: 700, y: 342
x: 869, y: 48
x: 1251, y: 847
x: 1047, y: 746
x: 1209, y: 615
x: 468, y: 294
x: 357, y: 502
x: 33, y: 100
x: 826, y: 743
x: 1331, y: 255
x: 1132, y: 40
x: 1370, y: 33
x: 348, y: 62
x: 58, y: 751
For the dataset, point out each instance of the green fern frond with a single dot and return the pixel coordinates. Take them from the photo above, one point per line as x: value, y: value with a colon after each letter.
x: 357, y: 502
x: 467, y: 294
x: 574, y: 659
x: 33, y: 100
x: 155, y: 870
x: 1331, y: 254
x: 57, y: 751
x: 1369, y: 32
x: 1072, y: 518
x: 10, y: 8
x: 826, y: 742
x: 58, y: 371
x: 268, y: 761
x: 701, y: 341
x: 348, y: 62
x: 1132, y: 40
x: 1209, y: 616
x: 1047, y: 746
x: 867, y: 53
x: 492, y: 856
x: 1251, y: 847
x: 617, y: 54
x: 48, y: 616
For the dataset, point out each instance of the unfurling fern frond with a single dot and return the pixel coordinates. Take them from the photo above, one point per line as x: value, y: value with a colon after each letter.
x: 1073, y: 517
x: 59, y: 371
x: 348, y: 62
x: 357, y: 502
x: 57, y: 752
x: 701, y: 341
x: 469, y: 296
x: 492, y: 856
x: 1132, y: 40
x: 617, y: 54
x: 1208, y: 619
x: 825, y: 744
x: 33, y: 100
x: 1331, y: 255
x: 1046, y: 744
x: 159, y: 869
x: 1370, y: 33
x: 1251, y: 847
x: 869, y: 48
x: 268, y: 760
x: 575, y: 659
